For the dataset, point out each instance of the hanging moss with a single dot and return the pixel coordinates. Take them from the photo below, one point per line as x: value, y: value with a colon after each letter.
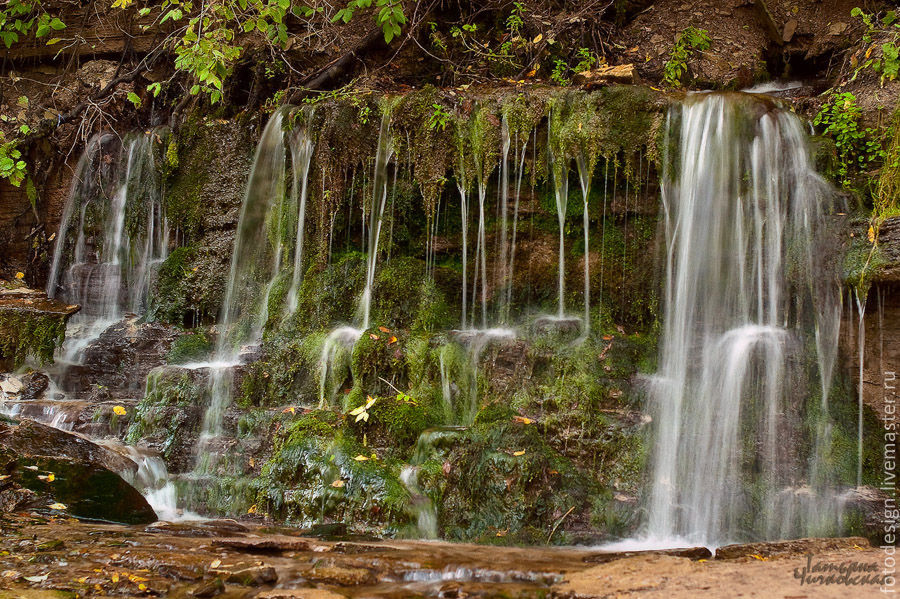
x: 24, y: 334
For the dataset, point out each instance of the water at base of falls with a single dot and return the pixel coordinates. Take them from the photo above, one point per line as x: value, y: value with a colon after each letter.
x: 105, y: 261
x: 745, y: 300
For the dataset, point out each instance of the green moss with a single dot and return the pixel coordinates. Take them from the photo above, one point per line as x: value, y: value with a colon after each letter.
x: 395, y: 422
x: 184, y: 294
x: 35, y: 334
x: 169, y: 410
x: 314, y: 477
x: 190, y: 347
x: 492, y: 490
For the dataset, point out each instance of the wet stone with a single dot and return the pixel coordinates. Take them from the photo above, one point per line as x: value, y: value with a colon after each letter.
x: 274, y: 544
x: 789, y: 548
x: 300, y: 594
x: 688, y: 552
x: 253, y: 576
x: 340, y: 575
x: 209, y: 589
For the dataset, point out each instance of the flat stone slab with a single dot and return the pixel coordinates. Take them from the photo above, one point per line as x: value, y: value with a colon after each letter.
x: 791, y: 548
x: 272, y: 544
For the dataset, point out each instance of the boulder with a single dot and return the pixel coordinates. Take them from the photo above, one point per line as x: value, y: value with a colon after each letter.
x: 57, y: 467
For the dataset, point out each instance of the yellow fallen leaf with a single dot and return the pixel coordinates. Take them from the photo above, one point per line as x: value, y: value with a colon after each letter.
x: 759, y: 557
x: 142, y: 587
x: 291, y: 409
x: 392, y: 340
x: 136, y: 578
x: 361, y: 458
x: 537, y: 38
x: 337, y: 484
x: 384, y: 329
x: 115, y: 577
x: 215, y: 563
x: 252, y: 509
x: 20, y: 275
x: 4, y: 476
x: 523, y: 419
x: 871, y: 234
x: 373, y: 337
x: 81, y: 580
x: 119, y: 411
x: 51, y: 477
x: 518, y: 453
x: 58, y: 506
x: 502, y: 533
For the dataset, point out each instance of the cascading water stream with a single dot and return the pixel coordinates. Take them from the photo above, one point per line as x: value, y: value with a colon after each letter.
x: 122, y: 238
x: 860, y: 297
x: 301, y: 146
x: 560, y: 168
x: 116, y: 251
x: 255, y: 264
x: 341, y: 339
x: 743, y: 296
x: 585, y: 173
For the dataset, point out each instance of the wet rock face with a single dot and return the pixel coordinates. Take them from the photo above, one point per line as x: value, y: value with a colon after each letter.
x: 121, y: 358
x: 47, y: 467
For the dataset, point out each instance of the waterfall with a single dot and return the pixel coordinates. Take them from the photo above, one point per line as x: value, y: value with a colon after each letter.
x: 122, y: 236
x: 301, y: 146
x: 464, y: 214
x: 585, y: 172
x: 255, y: 265
x: 861, y: 348
x: 376, y: 212
x: 560, y: 168
x: 744, y: 299
x: 342, y: 338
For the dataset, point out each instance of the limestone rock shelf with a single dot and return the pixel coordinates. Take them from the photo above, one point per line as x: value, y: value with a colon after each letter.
x: 31, y: 324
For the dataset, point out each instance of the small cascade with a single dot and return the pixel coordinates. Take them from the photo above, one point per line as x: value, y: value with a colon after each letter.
x: 585, y: 174
x: 152, y: 479
x: 340, y: 340
x: 503, y: 276
x: 255, y: 265
x: 376, y: 212
x: 464, y: 214
x: 560, y: 169
x: 301, y: 147
x: 420, y: 504
x: 519, y: 154
x: 860, y: 297
x: 744, y: 298
x: 122, y: 236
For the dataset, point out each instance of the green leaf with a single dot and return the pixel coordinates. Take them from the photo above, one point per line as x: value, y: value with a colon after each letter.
x: 154, y: 88
x: 56, y: 24
x: 134, y: 99
x: 54, y: 40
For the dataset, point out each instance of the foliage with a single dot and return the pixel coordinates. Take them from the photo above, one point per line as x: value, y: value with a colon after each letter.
x: 22, y: 17
x: 857, y: 148
x: 12, y: 167
x: 438, y: 118
x: 883, y: 57
x: 390, y: 17
x: 689, y: 40
x: 586, y: 61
